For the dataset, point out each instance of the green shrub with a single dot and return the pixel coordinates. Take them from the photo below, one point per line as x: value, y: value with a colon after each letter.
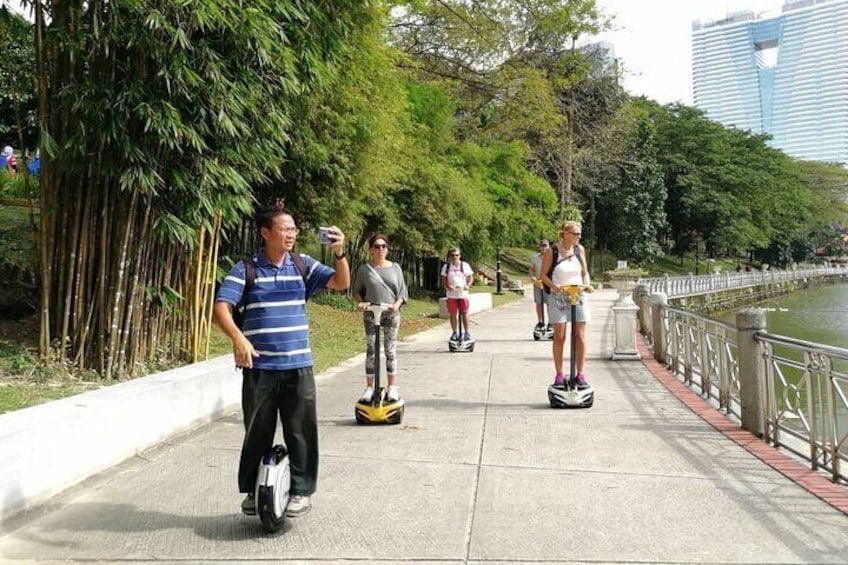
x: 18, y: 186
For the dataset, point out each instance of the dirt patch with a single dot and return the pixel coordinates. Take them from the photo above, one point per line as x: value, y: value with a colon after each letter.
x: 23, y: 331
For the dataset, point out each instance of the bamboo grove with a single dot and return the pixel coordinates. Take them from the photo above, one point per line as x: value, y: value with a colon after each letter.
x: 438, y: 122
x: 158, y: 117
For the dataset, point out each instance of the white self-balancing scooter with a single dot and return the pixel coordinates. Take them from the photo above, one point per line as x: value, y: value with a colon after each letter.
x: 571, y: 394
x: 272, y: 488
x: 459, y: 344
x: 379, y: 409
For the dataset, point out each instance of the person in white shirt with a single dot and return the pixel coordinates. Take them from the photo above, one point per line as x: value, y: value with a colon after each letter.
x: 457, y: 277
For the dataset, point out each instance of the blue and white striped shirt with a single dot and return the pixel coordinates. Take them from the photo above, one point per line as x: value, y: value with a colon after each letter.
x: 275, y: 319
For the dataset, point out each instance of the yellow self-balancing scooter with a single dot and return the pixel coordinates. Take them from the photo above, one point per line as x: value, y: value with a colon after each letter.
x: 379, y: 409
x: 572, y: 394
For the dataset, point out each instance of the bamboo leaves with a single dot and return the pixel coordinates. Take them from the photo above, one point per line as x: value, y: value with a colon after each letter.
x: 160, y: 119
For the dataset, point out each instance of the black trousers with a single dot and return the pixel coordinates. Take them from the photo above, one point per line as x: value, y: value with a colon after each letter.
x: 291, y: 394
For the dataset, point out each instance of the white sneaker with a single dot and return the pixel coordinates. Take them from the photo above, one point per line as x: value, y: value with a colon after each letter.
x: 367, y: 394
x: 392, y: 393
x: 298, y: 506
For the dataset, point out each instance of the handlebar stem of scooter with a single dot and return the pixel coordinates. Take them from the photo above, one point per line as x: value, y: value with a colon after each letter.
x: 375, y: 307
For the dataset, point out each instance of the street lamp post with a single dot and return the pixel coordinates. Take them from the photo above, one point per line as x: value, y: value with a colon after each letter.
x: 498, y: 271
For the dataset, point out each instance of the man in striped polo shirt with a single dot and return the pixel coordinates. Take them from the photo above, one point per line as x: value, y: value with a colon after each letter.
x: 273, y: 349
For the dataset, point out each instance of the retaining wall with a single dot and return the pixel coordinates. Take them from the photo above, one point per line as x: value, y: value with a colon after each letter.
x: 47, y: 448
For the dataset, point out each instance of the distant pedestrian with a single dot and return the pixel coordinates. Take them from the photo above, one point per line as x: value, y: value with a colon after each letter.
x: 457, y: 277
x: 8, y: 160
x: 34, y: 166
x: 538, y: 285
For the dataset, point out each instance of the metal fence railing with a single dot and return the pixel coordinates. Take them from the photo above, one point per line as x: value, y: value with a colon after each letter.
x: 807, y: 400
x: 691, y: 285
x: 800, y: 388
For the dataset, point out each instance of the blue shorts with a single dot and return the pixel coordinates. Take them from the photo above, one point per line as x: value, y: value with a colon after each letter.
x: 559, y: 311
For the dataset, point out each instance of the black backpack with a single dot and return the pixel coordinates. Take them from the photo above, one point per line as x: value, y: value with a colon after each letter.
x: 250, y: 281
x: 578, y: 251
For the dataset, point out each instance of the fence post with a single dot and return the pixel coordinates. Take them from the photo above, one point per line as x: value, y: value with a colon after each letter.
x: 751, y: 370
x: 625, y: 312
x: 659, y: 300
x: 639, y: 293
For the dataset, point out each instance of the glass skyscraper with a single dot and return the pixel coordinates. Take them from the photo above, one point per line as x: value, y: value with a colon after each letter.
x: 785, y: 75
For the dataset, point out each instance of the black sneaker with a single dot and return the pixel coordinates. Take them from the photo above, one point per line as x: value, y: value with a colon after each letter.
x: 540, y: 327
x: 248, y: 505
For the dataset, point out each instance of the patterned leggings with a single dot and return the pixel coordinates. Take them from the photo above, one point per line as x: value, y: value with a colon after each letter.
x: 389, y: 323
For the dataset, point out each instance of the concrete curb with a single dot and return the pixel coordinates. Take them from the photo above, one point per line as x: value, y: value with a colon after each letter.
x: 52, y: 446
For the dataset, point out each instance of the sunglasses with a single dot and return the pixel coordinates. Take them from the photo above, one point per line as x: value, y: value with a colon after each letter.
x: 577, y: 233
x: 454, y: 254
x: 380, y: 246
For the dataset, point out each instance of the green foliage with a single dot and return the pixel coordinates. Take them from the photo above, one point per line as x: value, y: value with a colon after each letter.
x: 440, y: 123
x: 571, y: 213
x: 164, y: 118
x: 17, y: 187
x: 632, y: 215
x: 728, y: 189
x: 18, y: 121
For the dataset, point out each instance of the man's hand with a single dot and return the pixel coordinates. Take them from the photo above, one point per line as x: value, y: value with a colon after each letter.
x: 243, y: 352
x: 338, y: 239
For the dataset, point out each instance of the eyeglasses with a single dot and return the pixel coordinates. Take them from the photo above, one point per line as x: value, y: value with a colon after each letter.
x: 290, y: 231
x: 380, y: 246
x: 454, y: 254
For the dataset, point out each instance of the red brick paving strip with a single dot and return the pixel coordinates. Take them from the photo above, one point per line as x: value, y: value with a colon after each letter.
x: 813, y: 482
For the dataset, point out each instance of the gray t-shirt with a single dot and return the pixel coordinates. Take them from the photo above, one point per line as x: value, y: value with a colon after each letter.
x: 369, y: 284
x: 536, y: 263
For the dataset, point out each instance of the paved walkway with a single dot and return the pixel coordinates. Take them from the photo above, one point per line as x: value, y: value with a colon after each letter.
x: 481, y: 470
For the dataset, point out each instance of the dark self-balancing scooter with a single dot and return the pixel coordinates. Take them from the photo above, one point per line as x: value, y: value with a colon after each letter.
x: 379, y: 409
x: 460, y: 344
x: 272, y: 488
x: 547, y: 330
x: 571, y: 394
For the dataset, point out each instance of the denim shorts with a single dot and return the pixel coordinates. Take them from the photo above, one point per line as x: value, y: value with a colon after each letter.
x: 559, y: 310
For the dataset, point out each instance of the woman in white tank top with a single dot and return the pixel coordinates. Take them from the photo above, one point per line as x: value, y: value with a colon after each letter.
x: 570, y: 269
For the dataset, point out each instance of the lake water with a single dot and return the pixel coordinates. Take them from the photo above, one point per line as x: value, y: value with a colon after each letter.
x: 819, y: 315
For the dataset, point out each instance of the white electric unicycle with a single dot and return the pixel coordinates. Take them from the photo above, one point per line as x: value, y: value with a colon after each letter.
x: 272, y: 488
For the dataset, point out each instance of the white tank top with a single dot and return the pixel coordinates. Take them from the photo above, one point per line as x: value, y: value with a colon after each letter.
x: 568, y: 271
